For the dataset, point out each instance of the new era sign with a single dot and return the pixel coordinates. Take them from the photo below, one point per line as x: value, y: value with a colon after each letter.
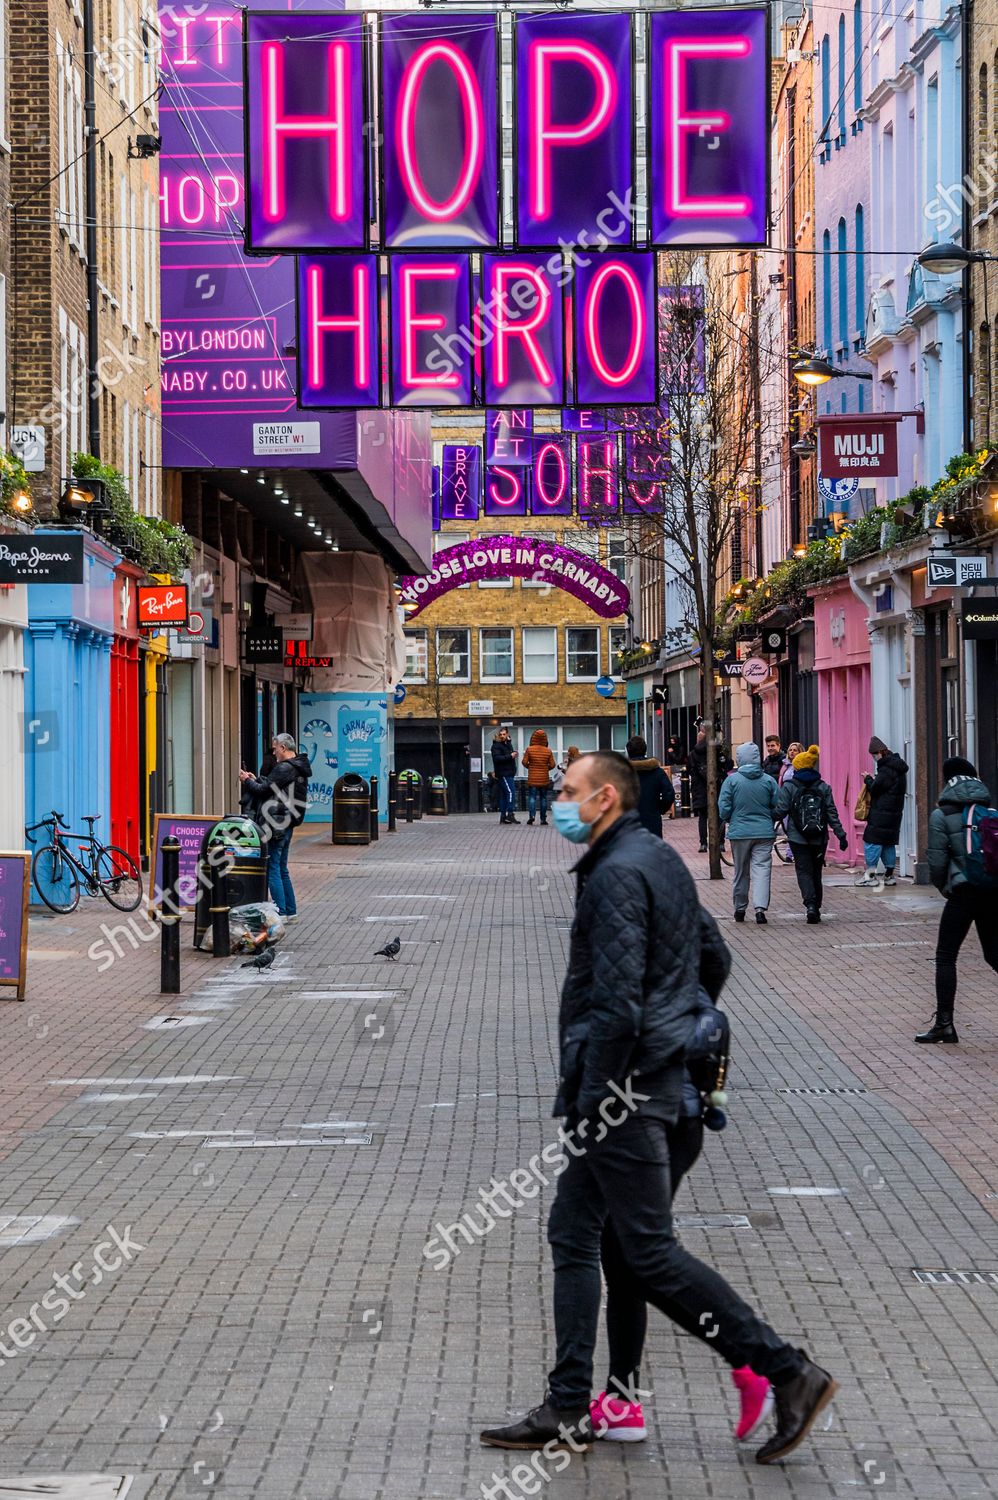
x: 851, y: 447
x: 948, y: 572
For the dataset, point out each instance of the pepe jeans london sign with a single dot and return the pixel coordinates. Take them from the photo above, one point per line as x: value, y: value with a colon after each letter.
x: 41, y: 559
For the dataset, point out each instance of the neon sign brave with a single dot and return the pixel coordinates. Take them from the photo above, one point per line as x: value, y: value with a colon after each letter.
x: 310, y: 154
x: 514, y: 327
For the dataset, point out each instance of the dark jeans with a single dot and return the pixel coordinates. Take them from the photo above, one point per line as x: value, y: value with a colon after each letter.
x: 702, y: 825
x: 507, y: 794
x: 537, y: 801
x: 626, y: 1309
x: 968, y: 906
x: 282, y: 892
x: 626, y: 1178
x: 809, y: 861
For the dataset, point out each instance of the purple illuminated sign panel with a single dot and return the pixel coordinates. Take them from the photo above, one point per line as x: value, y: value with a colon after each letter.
x: 598, y: 493
x: 339, y: 358
x: 524, y: 356
x: 305, y: 113
x: 431, y: 303
x: 439, y: 102
x: 228, y: 323
x: 518, y: 557
x: 435, y: 497
x: 615, y: 343
x: 506, y: 491
x: 508, y: 437
x: 643, y: 498
x: 709, y: 127
x: 551, y: 478
x: 460, y: 482
x: 581, y: 419
x: 574, y: 131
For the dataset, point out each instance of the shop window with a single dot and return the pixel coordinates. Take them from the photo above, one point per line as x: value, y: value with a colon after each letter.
x: 616, y: 554
x: 496, y: 654
x: 619, y: 737
x: 415, y: 656
x: 540, y: 653
x: 454, y: 655
x: 582, y: 653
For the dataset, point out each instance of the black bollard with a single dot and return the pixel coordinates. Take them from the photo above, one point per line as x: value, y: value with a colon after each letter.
x: 408, y: 799
x: 685, y: 810
x: 221, y: 942
x: 169, y: 960
x: 375, y: 831
x: 393, y: 792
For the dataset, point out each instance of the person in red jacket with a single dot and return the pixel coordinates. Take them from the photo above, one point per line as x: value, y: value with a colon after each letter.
x: 539, y: 762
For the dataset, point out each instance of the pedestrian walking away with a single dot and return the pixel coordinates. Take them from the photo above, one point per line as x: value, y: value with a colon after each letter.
x: 747, y: 806
x: 963, y: 865
x: 656, y: 794
x: 697, y: 766
x: 504, y: 765
x: 807, y: 806
x: 883, y: 826
x: 628, y: 1013
x: 281, y: 799
x: 539, y: 762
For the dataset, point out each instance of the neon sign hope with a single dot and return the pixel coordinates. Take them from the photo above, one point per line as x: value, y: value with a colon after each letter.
x: 419, y: 156
x: 498, y: 335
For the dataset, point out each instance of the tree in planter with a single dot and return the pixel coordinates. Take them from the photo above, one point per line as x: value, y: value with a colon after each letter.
x: 709, y: 374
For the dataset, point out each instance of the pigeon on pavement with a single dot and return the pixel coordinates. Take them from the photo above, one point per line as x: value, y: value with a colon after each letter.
x: 262, y: 960
x: 390, y: 950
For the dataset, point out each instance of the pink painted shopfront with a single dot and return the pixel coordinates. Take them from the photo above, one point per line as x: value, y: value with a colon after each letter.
x: 842, y: 666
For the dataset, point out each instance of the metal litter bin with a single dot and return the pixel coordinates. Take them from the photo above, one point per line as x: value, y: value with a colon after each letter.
x: 413, y: 778
x: 236, y: 845
x: 438, y: 797
x: 351, y: 810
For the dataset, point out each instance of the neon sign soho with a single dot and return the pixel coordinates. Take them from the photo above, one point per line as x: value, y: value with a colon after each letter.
x: 381, y: 167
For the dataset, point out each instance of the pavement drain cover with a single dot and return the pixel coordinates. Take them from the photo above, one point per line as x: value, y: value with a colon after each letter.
x: 822, y: 1091
x: 172, y: 1023
x: 712, y: 1221
x: 30, y: 1229
x: 938, y: 1277
x: 67, y: 1486
x: 260, y: 1145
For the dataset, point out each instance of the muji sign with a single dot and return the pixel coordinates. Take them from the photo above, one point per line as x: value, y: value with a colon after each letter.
x: 852, y: 447
x: 436, y: 269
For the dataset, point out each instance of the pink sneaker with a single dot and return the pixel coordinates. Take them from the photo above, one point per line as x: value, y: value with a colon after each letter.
x: 617, y: 1421
x: 756, y: 1395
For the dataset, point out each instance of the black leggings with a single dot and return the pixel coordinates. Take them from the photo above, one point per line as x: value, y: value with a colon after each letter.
x: 966, y: 907
x: 626, y: 1310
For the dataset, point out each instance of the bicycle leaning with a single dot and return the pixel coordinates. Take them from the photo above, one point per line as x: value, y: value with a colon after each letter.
x: 99, y: 869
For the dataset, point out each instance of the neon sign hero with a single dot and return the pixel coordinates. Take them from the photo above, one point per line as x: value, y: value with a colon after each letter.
x: 314, y: 140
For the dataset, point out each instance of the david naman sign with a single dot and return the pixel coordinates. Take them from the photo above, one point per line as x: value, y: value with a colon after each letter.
x: 856, y: 447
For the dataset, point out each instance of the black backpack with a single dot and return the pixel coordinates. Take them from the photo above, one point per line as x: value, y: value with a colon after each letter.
x: 300, y: 802
x: 810, y: 814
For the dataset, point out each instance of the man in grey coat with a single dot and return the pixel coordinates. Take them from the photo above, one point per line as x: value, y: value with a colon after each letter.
x: 967, y: 905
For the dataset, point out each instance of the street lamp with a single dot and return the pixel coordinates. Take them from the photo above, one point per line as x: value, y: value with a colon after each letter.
x: 814, y: 372
x: 949, y: 258
x: 805, y: 447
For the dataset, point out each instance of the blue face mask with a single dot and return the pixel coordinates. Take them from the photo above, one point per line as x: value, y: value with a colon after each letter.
x: 568, y: 819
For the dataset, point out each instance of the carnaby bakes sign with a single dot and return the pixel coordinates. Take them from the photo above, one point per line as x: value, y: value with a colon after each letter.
x: 857, y: 447
x: 519, y: 557
x: 41, y: 559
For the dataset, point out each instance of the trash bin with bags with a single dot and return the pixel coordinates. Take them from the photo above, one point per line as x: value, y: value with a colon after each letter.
x: 438, y: 797
x: 413, y: 779
x: 235, y: 845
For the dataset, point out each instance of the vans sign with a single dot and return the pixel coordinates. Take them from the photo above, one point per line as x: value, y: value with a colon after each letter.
x: 851, y: 447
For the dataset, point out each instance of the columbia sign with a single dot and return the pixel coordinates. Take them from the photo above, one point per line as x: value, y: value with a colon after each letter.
x: 852, y: 447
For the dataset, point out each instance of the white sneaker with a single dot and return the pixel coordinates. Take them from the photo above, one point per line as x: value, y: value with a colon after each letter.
x: 870, y: 881
x: 890, y: 880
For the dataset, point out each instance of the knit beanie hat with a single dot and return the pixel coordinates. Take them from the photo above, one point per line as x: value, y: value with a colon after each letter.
x: 957, y: 766
x: 877, y: 747
x: 807, y: 760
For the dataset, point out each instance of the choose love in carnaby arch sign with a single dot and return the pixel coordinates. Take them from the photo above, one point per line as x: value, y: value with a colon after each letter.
x: 518, y: 557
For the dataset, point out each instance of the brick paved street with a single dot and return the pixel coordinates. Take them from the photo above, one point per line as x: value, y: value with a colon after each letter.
x: 282, y: 1164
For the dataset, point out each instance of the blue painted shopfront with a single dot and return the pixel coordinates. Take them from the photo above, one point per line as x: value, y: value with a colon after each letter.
x: 67, y: 693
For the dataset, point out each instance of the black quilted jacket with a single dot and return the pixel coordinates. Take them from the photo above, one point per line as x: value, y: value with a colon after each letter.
x: 639, y: 944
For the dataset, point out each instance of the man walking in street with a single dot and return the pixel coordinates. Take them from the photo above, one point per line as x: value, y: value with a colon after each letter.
x: 883, y: 827
x: 697, y: 766
x: 281, y: 799
x: 504, y: 765
x: 656, y: 793
x: 747, y: 805
x: 806, y: 804
x: 961, y: 874
x: 627, y: 1016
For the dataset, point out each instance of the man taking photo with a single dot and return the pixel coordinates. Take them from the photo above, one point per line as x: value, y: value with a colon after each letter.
x: 626, y: 1017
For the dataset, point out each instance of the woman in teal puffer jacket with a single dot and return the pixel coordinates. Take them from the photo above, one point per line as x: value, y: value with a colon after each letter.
x: 747, y: 804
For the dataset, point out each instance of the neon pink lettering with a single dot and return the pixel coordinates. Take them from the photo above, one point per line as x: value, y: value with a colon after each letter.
x: 544, y: 134
x: 539, y: 487
x: 524, y: 328
x: 474, y: 130
x: 591, y: 471
x: 320, y: 323
x: 591, y: 323
x: 514, y: 480
x: 413, y: 322
x: 279, y: 128
x: 681, y: 121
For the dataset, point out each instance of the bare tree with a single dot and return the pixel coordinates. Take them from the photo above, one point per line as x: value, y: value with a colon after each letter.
x: 431, y: 692
x: 709, y: 362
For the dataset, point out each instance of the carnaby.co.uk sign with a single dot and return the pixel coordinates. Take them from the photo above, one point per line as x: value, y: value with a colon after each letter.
x: 518, y: 557
x: 551, y: 302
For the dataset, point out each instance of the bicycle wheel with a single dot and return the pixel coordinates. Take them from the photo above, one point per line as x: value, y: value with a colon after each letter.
x: 119, y: 878
x: 727, y: 858
x: 55, y: 879
x: 781, y: 848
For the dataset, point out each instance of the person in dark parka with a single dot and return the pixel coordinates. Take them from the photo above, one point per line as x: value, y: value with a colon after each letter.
x: 697, y: 766
x: 627, y: 1015
x: 966, y: 905
x: 883, y: 827
x: 656, y: 794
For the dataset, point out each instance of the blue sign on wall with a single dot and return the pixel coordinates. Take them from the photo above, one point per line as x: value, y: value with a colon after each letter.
x: 343, y: 732
x: 606, y: 687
